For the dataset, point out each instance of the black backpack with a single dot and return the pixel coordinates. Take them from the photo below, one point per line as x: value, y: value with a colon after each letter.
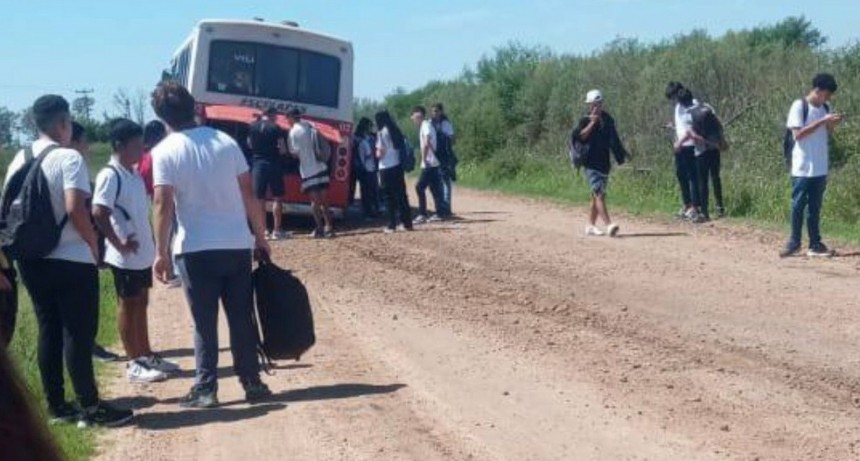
x: 28, y: 227
x: 102, y: 240
x: 707, y: 125
x: 788, y: 141
x: 284, y: 311
x: 407, y: 156
x: 443, y: 148
x: 577, y: 151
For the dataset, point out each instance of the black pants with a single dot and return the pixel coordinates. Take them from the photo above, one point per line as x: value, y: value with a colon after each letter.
x: 709, y: 169
x: 688, y: 177
x: 65, y: 298
x: 394, y: 185
x: 8, y: 308
x: 369, y: 183
x: 432, y: 178
x: 225, y: 275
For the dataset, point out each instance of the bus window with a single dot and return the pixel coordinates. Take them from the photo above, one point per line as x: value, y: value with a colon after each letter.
x: 282, y: 73
x: 231, y: 68
x: 319, y: 80
x: 276, y: 78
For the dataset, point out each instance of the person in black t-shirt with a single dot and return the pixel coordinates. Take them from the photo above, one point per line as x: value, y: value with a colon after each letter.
x: 267, y: 140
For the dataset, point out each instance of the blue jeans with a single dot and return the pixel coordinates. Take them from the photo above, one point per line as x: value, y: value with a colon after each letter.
x: 807, y: 196
x: 432, y: 178
x: 225, y: 275
x: 447, y: 186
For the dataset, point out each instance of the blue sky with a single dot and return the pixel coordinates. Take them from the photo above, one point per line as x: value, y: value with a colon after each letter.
x: 59, y: 46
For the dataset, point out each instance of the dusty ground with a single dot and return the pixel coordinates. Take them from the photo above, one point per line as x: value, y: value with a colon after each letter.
x: 507, y: 335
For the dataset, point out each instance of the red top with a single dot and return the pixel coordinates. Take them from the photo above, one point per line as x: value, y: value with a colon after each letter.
x: 144, y: 167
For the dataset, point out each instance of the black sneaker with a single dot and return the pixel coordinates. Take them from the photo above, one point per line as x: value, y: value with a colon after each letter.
x: 104, y: 355
x: 790, y: 249
x: 200, y: 397
x: 104, y: 415
x: 255, y: 390
x: 819, y: 250
x: 64, y: 414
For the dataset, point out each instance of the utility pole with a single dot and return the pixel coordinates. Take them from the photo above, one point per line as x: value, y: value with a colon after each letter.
x: 88, y: 101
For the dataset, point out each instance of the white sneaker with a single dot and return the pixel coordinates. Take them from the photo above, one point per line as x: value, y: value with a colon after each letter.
x: 175, y: 282
x: 270, y: 236
x: 420, y: 219
x: 283, y: 235
x: 613, y: 229
x: 434, y: 218
x: 592, y: 231
x: 157, y: 362
x: 139, y: 373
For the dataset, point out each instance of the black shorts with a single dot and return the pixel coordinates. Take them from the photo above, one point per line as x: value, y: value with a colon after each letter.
x: 267, y: 176
x: 131, y: 283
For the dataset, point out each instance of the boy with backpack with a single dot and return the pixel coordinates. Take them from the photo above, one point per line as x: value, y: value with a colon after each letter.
x: 47, y: 229
x: 445, y: 139
x: 710, y: 142
x: 597, y: 136
x: 431, y: 175
x: 807, y: 145
x: 121, y: 211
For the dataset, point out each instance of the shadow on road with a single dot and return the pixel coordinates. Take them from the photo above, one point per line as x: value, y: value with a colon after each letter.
x: 653, y: 235
x: 165, y: 421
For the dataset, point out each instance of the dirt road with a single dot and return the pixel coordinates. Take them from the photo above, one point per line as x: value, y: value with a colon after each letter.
x: 509, y: 336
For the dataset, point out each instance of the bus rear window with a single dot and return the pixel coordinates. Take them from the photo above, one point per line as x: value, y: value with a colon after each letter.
x: 282, y: 73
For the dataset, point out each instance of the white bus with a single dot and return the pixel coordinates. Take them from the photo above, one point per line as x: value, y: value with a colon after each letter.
x: 236, y: 69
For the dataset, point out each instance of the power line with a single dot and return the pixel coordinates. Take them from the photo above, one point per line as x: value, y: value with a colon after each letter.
x: 88, y: 101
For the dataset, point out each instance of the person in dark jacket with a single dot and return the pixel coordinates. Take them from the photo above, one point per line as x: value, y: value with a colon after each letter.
x: 597, y: 131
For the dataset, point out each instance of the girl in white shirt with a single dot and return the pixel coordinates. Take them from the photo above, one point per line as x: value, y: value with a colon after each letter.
x: 390, y: 142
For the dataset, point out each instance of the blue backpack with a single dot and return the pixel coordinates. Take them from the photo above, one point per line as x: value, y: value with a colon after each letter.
x: 28, y: 227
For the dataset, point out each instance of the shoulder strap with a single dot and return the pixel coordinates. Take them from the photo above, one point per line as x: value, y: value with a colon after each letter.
x: 805, y: 104
x: 28, y: 154
x: 116, y: 205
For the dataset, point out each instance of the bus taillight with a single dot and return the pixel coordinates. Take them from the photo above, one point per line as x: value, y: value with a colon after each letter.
x: 341, y: 171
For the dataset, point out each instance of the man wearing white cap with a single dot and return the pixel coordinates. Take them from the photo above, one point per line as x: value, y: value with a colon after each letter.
x: 597, y: 133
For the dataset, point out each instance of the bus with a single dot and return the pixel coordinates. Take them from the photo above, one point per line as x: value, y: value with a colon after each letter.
x: 235, y: 69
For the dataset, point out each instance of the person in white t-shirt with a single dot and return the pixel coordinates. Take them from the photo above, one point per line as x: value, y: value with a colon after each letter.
x: 314, y: 173
x: 431, y: 175
x: 389, y: 143
x: 685, y: 155
x: 202, y: 174
x: 121, y: 211
x: 64, y: 285
x: 446, y: 140
x: 810, y: 122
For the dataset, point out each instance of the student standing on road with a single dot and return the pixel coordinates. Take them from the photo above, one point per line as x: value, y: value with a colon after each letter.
x: 213, y: 243
x: 365, y: 168
x: 598, y: 132
x: 265, y: 140
x: 431, y: 175
x: 389, y: 143
x: 708, y: 134
x: 81, y: 144
x: 810, y: 122
x: 445, y: 149
x: 315, y: 174
x: 121, y: 210
x: 685, y: 155
x: 64, y: 285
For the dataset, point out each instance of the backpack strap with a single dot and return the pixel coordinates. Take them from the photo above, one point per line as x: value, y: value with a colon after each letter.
x: 28, y: 154
x: 38, y: 164
x: 116, y: 205
x: 805, y: 105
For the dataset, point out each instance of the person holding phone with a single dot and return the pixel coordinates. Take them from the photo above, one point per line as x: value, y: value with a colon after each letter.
x: 598, y: 132
x: 810, y: 121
